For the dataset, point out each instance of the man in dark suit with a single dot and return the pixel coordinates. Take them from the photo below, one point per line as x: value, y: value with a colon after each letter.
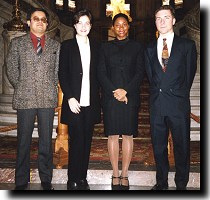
x: 32, y: 68
x: 171, y: 67
x: 81, y: 101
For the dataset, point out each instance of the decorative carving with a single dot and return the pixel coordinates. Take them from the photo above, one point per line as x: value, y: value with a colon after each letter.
x: 60, y: 157
x: 118, y: 7
x: 16, y: 23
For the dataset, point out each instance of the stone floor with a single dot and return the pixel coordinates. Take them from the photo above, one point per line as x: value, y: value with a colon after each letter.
x: 141, y: 171
x: 101, y: 177
x: 142, y: 158
x: 37, y: 186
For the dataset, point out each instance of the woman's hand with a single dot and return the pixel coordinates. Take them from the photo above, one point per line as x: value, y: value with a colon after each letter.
x: 120, y: 95
x: 74, y: 105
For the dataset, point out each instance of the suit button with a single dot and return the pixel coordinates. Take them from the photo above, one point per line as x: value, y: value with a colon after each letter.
x: 160, y: 90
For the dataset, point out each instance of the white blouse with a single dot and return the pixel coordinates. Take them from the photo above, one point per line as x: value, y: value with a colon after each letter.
x: 85, y: 59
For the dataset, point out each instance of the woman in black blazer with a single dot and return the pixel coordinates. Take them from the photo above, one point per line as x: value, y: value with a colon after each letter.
x: 81, y: 101
x: 120, y: 72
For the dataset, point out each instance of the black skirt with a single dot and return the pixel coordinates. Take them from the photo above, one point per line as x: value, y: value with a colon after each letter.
x: 120, y: 118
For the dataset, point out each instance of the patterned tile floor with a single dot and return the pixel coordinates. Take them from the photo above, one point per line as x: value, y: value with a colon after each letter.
x: 142, y: 163
x: 142, y: 155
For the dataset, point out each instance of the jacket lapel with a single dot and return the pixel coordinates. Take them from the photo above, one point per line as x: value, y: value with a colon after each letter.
x: 157, y: 68
x: 92, y: 53
x: 30, y: 46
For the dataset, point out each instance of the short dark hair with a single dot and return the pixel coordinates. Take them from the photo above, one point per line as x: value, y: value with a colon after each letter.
x: 80, y: 13
x: 166, y: 7
x: 30, y: 13
x: 120, y: 15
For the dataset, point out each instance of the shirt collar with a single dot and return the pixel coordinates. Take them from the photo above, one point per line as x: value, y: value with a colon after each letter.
x: 169, y: 37
x: 33, y: 37
x: 79, y: 41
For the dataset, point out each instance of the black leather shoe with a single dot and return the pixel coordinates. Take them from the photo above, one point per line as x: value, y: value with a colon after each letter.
x: 160, y: 187
x: 47, y: 186
x: 117, y: 186
x: 72, y: 185
x: 21, y: 187
x: 124, y: 187
x: 83, y: 185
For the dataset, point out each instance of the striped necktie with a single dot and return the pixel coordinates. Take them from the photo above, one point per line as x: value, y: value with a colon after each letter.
x: 165, y: 55
x: 39, y: 47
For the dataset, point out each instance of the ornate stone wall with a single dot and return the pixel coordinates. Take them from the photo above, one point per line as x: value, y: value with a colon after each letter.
x: 2, y: 21
x: 192, y: 22
x: 4, y: 17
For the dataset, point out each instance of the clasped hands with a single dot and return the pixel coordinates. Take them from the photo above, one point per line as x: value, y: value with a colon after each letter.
x: 120, y: 95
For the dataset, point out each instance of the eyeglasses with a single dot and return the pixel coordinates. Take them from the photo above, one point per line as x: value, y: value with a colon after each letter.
x: 43, y: 19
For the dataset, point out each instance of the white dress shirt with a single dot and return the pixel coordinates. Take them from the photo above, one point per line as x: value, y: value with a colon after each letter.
x: 85, y: 59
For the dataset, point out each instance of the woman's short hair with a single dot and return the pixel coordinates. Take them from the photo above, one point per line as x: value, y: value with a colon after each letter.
x: 120, y: 15
x: 80, y: 13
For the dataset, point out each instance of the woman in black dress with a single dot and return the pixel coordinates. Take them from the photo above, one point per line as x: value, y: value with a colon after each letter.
x: 120, y: 72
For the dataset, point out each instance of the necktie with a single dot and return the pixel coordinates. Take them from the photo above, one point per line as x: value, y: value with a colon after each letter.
x: 39, y: 47
x: 165, y: 55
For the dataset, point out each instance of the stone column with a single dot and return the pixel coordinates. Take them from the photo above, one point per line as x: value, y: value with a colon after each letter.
x: 8, y: 36
x: 192, y: 22
x: 12, y: 29
x: 7, y: 89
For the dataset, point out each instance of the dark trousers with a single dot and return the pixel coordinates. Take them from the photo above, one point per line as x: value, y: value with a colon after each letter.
x: 180, y: 130
x: 80, y: 138
x: 25, y: 123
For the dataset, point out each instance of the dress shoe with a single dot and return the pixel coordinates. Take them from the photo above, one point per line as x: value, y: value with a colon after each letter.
x: 21, y: 187
x: 71, y: 185
x: 124, y: 187
x: 117, y: 186
x: 83, y: 185
x: 160, y: 187
x: 47, y: 186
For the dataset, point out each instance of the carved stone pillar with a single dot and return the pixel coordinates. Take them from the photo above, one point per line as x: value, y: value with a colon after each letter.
x: 13, y: 28
x: 8, y: 36
x: 192, y: 22
x: 7, y: 89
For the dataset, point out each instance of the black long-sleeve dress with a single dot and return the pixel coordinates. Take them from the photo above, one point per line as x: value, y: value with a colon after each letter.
x: 121, y: 66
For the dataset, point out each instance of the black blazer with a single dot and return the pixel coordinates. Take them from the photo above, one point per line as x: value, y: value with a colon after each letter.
x: 70, y: 78
x: 121, y: 67
x: 170, y: 91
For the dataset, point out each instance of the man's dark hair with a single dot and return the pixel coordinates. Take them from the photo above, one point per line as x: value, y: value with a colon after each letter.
x: 120, y: 15
x: 30, y: 13
x: 166, y: 7
x: 80, y: 13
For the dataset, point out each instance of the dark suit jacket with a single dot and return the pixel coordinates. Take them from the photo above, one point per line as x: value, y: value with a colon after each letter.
x: 121, y: 67
x: 170, y: 91
x: 70, y: 78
